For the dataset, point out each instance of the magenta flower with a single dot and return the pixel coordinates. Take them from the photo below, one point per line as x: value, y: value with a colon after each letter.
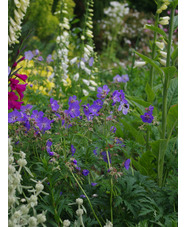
x: 21, y: 76
x: 12, y: 101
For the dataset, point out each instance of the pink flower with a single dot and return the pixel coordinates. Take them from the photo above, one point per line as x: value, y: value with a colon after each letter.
x: 14, y: 83
x: 22, y: 76
x: 12, y: 103
x: 20, y: 88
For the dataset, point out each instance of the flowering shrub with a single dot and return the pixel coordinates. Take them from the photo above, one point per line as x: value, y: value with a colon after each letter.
x: 108, y: 138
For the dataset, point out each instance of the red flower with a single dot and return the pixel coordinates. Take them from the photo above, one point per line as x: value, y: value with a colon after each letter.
x: 12, y: 103
x: 22, y: 76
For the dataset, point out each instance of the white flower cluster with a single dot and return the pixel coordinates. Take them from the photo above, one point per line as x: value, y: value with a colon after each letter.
x: 117, y: 26
x: 117, y: 10
x: 19, y: 214
x: 108, y: 224
x: 15, y: 24
x: 63, y: 44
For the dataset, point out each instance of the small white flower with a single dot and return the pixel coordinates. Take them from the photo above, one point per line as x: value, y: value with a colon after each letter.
x: 32, y: 221
x: 92, y: 88
x: 139, y: 63
x: 86, y: 82
x: 24, y: 209
x: 39, y: 187
x: 79, y: 212
x: 164, y: 20
x: 66, y: 223
x: 88, y: 71
x: 163, y: 54
x: 41, y: 218
x: 161, y: 45
x: 82, y: 65
x: 76, y: 77
x: 73, y: 60
x: 162, y: 61
x: 79, y: 201
x: 93, y: 83
x: 22, y: 162
x: 85, y: 92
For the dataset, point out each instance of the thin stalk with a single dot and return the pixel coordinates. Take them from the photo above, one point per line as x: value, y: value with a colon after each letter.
x: 111, y: 190
x: 166, y: 81
x: 87, y: 198
x: 153, y: 51
x: 133, y: 58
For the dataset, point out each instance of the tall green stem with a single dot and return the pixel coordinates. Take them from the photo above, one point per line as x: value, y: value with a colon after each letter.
x: 154, y: 51
x: 87, y: 198
x: 111, y: 188
x: 166, y: 81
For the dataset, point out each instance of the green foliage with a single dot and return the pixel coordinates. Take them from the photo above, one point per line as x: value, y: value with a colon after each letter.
x: 172, y: 96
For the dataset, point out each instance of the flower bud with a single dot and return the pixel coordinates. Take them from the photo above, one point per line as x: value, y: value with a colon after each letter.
x: 79, y: 212
x: 32, y: 221
x: 162, y: 61
x: 161, y: 45
x: 22, y: 162
x: 39, y: 187
x: 163, y: 54
x: 79, y: 201
x: 139, y: 63
x: 86, y: 82
x: 85, y: 92
x: 41, y: 218
x: 76, y: 77
x: 66, y: 223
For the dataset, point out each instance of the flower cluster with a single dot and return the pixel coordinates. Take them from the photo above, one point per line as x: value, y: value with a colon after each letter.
x: 14, y: 85
x: 15, y: 24
x: 21, y: 214
x: 63, y: 47
x: 147, y: 117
